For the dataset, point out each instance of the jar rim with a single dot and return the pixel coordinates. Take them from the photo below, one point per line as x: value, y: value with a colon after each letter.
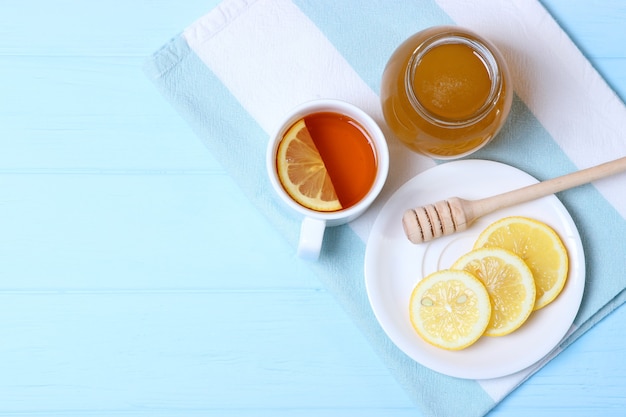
x: 485, y: 55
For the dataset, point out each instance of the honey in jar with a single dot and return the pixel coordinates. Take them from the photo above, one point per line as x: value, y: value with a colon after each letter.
x: 446, y: 92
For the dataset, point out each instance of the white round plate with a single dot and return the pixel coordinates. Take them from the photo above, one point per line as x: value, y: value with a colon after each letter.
x: 393, y: 266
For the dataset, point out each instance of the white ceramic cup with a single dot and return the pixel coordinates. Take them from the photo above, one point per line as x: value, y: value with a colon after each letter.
x: 315, y: 222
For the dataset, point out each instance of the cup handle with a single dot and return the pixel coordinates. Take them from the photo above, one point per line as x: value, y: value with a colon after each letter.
x: 311, y: 237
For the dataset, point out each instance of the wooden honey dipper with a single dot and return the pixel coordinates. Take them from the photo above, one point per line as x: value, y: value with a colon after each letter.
x: 445, y: 217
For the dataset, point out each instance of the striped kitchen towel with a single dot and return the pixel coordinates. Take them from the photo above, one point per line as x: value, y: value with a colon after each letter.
x: 237, y: 70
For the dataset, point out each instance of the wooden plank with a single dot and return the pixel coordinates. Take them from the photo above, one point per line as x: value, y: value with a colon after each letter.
x: 73, y: 351
x: 95, y: 230
x: 596, y: 27
x: 96, y: 112
x: 113, y: 28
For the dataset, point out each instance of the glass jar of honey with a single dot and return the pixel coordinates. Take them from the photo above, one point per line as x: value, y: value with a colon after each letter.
x: 446, y: 92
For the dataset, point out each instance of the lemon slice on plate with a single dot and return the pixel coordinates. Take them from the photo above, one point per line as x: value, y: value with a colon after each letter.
x: 538, y: 245
x: 510, y: 285
x: 450, y: 309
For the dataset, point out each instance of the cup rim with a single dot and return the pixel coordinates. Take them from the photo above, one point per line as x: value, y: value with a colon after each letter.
x: 376, y: 136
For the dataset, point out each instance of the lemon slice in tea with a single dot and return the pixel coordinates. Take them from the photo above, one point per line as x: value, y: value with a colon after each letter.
x: 302, y: 172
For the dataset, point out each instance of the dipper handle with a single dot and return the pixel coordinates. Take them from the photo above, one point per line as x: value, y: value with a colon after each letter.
x: 445, y: 217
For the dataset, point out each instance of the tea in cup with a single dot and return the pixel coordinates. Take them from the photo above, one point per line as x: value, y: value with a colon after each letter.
x: 328, y: 161
x: 446, y: 92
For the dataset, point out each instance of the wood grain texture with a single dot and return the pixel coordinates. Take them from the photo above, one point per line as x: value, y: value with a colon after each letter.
x: 130, y: 287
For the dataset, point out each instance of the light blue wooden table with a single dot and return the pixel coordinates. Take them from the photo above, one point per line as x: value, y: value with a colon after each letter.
x: 136, y: 280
